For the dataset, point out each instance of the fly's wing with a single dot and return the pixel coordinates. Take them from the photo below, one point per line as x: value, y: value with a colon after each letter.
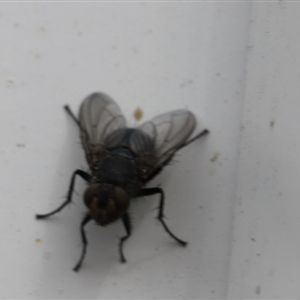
x: 99, y: 117
x: 168, y: 133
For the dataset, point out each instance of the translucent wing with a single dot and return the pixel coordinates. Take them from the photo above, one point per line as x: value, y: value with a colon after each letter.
x: 169, y: 132
x: 99, y: 116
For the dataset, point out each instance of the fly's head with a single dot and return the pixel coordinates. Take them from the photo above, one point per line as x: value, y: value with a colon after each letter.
x: 106, y: 202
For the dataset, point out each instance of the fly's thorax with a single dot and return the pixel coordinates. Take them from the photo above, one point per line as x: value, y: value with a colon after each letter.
x: 118, y: 170
x: 106, y: 202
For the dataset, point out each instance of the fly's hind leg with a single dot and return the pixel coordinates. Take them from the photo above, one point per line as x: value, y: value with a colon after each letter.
x: 70, y: 113
x: 160, y: 168
x: 198, y: 136
x: 153, y: 191
x: 83, y: 175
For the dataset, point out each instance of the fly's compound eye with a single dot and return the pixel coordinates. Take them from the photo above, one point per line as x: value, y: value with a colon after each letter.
x: 107, y: 203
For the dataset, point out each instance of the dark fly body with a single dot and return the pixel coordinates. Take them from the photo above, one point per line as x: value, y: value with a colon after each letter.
x: 123, y: 160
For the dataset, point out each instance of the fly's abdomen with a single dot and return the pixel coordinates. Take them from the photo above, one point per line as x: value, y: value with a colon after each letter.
x: 130, y: 142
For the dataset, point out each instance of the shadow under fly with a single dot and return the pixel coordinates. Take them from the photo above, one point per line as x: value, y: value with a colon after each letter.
x: 122, y: 160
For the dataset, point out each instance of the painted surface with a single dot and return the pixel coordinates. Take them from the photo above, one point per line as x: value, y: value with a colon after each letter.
x: 233, y: 195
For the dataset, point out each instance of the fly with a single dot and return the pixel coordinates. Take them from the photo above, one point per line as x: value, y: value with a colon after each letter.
x: 122, y: 161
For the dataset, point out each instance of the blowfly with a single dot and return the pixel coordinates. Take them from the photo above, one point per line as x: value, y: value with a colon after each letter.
x: 122, y: 161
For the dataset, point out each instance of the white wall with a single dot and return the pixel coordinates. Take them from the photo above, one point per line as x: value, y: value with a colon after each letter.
x: 232, y: 195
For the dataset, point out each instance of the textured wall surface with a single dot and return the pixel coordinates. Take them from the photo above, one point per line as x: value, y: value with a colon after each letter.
x: 233, y: 195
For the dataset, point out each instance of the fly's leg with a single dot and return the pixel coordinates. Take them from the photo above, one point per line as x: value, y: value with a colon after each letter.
x: 69, y: 111
x: 128, y: 227
x: 153, y: 191
x: 86, y: 219
x: 160, y: 168
x: 198, y: 136
x: 83, y: 175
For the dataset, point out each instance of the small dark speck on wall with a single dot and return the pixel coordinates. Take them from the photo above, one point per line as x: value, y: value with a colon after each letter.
x: 258, y: 290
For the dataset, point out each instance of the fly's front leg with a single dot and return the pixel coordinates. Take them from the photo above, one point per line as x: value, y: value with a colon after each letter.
x: 128, y: 227
x: 153, y: 191
x: 86, y: 219
x: 83, y: 175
